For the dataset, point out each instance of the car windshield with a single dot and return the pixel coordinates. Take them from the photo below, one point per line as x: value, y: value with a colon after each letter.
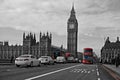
x: 60, y: 57
x: 24, y: 56
x: 44, y: 57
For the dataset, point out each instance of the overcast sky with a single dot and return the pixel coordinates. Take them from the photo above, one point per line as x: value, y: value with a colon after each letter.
x: 97, y: 19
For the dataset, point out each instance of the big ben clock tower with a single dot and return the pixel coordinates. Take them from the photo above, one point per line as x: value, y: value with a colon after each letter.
x: 72, y: 32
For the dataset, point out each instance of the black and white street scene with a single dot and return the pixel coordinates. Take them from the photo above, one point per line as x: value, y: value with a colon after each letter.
x: 59, y: 40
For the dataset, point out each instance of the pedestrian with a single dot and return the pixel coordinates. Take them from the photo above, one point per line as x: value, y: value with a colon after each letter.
x: 11, y: 59
x: 117, y: 59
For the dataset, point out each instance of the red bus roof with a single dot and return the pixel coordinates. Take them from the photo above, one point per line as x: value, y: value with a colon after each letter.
x: 87, y: 48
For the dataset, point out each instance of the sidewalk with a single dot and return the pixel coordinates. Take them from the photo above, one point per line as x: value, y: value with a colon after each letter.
x: 7, y: 63
x: 115, y: 72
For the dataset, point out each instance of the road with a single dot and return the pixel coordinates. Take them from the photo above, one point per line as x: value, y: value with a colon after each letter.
x: 69, y: 71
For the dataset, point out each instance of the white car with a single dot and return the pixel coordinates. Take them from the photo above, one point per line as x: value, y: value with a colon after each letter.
x: 46, y: 60
x: 60, y: 59
x: 70, y: 59
x: 27, y: 60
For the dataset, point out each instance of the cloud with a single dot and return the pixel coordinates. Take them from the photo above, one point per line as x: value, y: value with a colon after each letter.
x: 114, y: 6
x: 46, y: 15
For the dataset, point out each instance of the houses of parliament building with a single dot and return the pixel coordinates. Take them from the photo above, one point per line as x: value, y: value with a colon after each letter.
x: 30, y: 46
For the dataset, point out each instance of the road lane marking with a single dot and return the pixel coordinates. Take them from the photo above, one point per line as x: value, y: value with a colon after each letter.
x: 98, y: 73
x: 82, y: 71
x: 96, y: 66
x: 88, y: 71
x: 78, y: 71
x: 98, y: 78
x: 51, y: 73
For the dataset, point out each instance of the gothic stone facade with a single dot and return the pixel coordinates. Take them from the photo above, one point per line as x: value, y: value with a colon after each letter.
x: 30, y: 46
x: 110, y: 50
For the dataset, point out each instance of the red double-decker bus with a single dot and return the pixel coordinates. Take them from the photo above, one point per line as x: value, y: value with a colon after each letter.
x: 87, y: 56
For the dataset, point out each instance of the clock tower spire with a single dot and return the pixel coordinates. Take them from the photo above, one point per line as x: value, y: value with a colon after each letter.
x: 73, y: 13
x: 72, y: 33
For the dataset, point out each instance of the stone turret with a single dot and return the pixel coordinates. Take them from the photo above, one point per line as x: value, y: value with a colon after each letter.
x: 45, y: 44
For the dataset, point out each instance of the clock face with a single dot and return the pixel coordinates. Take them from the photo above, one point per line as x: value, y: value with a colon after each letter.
x: 71, y: 26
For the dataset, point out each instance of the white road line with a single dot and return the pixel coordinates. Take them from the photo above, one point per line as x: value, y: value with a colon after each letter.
x: 96, y: 66
x: 51, y: 73
x: 78, y: 71
x: 74, y: 71
x: 88, y: 71
x: 98, y: 73
x: 85, y: 71
x: 82, y: 71
x: 98, y: 78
